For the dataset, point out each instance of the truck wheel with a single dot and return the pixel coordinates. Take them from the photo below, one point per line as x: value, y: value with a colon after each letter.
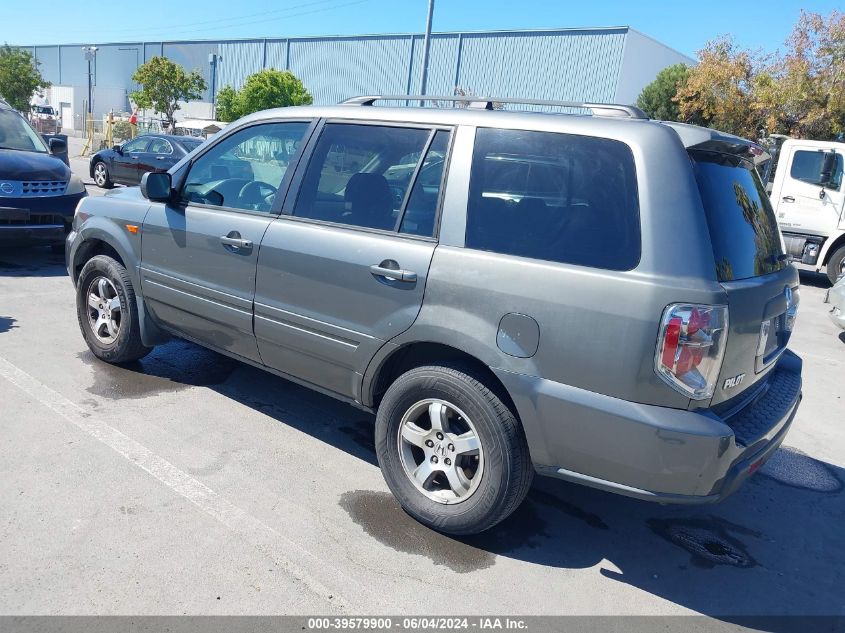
x: 102, y: 177
x: 451, y: 452
x: 836, y: 264
x: 108, y: 312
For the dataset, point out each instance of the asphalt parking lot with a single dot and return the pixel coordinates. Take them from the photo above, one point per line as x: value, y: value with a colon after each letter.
x: 191, y: 483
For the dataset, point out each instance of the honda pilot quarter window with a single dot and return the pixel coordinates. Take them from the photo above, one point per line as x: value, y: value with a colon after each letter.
x: 556, y: 197
x: 823, y: 169
x: 743, y: 230
x: 244, y: 170
x: 360, y: 175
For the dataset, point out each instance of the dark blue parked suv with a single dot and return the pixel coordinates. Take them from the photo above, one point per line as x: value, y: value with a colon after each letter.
x: 38, y: 194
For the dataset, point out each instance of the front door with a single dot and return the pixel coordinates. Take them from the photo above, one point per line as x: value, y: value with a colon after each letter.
x: 124, y: 167
x: 811, y: 199
x: 199, y: 253
x: 344, y: 269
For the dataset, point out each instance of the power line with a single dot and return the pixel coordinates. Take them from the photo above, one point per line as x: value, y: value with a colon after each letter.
x: 293, y: 15
x: 237, y: 21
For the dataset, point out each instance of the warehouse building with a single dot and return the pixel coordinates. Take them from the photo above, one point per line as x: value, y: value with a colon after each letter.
x: 596, y: 64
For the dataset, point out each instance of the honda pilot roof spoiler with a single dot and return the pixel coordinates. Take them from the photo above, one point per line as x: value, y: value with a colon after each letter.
x: 703, y: 138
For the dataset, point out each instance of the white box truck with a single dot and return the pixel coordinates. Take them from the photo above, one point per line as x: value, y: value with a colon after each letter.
x: 808, y: 198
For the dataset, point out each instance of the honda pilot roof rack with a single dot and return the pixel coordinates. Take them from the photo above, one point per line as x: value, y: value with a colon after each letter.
x: 489, y: 103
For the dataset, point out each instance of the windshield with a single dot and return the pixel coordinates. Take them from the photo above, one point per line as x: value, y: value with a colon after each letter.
x: 42, y: 110
x: 743, y: 230
x: 16, y: 133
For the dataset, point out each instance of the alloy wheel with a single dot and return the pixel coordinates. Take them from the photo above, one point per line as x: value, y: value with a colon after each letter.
x: 440, y: 451
x: 104, y: 313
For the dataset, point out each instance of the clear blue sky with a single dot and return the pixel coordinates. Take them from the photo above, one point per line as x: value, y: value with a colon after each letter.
x: 682, y: 24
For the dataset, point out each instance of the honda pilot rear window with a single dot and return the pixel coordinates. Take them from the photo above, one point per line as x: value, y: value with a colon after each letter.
x: 743, y: 230
x: 556, y: 197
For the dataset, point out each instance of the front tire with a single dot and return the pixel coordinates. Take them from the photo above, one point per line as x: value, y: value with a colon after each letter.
x: 102, y: 178
x: 107, y: 311
x: 836, y: 264
x: 451, y: 451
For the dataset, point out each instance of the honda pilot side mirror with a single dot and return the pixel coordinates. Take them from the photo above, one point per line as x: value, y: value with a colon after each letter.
x: 57, y: 146
x: 156, y: 186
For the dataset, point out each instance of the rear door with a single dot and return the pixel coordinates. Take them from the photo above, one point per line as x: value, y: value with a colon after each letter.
x: 811, y: 200
x: 344, y: 269
x: 199, y: 253
x: 159, y: 156
x: 762, y: 288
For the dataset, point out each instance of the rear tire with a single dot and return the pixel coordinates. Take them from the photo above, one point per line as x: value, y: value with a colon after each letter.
x: 102, y: 178
x: 107, y: 312
x: 451, y: 451
x: 836, y: 264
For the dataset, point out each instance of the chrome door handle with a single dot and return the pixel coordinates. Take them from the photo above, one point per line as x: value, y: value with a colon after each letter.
x: 235, y: 242
x: 788, y: 199
x: 396, y: 274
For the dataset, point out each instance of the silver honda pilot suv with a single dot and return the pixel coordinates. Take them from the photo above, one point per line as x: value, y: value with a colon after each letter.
x: 599, y: 298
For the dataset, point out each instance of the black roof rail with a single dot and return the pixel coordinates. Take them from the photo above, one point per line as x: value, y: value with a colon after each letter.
x: 488, y: 103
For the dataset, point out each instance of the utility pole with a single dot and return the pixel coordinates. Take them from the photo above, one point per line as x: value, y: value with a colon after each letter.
x: 213, y: 60
x: 426, y: 49
x: 90, y: 56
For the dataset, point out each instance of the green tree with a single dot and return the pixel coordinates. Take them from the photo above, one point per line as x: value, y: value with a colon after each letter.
x: 227, y: 108
x: 719, y: 91
x: 799, y: 92
x: 19, y: 77
x: 803, y: 93
x: 657, y: 99
x: 163, y: 84
x: 122, y: 130
x: 265, y: 89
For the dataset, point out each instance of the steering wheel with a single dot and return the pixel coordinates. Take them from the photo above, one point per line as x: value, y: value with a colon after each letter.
x: 257, y: 193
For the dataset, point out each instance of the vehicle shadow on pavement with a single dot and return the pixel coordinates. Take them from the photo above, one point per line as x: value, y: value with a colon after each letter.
x: 816, y: 280
x: 774, y: 547
x: 31, y: 261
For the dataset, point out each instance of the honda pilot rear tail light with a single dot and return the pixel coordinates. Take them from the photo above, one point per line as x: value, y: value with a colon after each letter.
x: 691, y: 347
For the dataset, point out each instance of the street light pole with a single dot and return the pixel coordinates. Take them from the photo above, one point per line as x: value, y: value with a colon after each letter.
x: 213, y: 60
x: 426, y: 49
x: 90, y: 55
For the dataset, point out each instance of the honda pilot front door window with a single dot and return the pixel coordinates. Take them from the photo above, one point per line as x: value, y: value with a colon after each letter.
x: 244, y: 170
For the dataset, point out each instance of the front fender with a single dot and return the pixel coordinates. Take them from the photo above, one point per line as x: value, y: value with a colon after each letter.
x: 117, y: 236
x: 97, y: 230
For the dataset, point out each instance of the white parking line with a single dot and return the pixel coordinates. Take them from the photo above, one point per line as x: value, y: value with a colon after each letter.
x: 261, y: 536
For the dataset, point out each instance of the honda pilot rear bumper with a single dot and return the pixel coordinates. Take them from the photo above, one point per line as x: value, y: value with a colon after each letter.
x: 651, y: 452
